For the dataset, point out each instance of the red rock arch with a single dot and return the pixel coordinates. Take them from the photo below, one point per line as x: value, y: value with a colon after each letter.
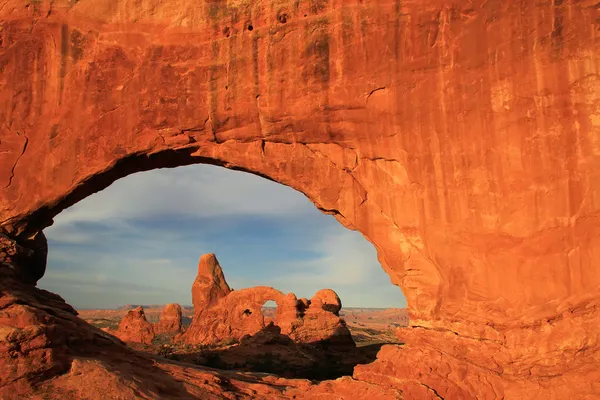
x: 460, y: 138
x: 235, y: 315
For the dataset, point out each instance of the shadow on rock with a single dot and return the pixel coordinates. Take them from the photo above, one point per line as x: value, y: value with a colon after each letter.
x: 269, y: 351
x: 48, y: 352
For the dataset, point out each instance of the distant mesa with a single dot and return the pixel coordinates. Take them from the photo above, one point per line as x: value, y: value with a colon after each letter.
x: 144, y: 306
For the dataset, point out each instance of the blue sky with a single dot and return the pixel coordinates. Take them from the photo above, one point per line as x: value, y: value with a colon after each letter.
x: 139, y: 241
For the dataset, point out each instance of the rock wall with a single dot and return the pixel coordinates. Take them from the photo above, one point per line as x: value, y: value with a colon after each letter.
x: 460, y: 138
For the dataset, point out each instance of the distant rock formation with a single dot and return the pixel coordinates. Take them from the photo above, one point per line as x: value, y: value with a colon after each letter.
x: 328, y: 300
x: 170, y: 320
x: 321, y: 321
x: 210, y: 285
x: 135, y: 328
x: 222, y: 314
x: 145, y: 306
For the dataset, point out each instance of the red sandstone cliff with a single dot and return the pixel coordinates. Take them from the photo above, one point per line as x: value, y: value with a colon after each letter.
x: 460, y: 138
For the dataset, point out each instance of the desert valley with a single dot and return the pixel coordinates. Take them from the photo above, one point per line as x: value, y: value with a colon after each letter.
x: 312, y: 339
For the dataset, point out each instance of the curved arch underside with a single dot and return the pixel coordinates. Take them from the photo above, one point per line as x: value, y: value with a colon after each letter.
x: 460, y: 138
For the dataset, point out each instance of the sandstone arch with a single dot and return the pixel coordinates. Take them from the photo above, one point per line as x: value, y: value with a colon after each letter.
x: 222, y: 315
x: 235, y: 315
x: 459, y: 137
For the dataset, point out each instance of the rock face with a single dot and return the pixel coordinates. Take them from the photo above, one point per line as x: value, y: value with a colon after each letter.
x: 234, y: 316
x: 238, y: 313
x: 327, y: 300
x: 26, y: 260
x: 320, y: 321
x: 170, y: 320
x: 460, y: 138
x: 135, y: 328
x: 210, y: 285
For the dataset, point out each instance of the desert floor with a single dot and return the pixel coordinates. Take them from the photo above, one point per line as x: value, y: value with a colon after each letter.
x: 269, y: 351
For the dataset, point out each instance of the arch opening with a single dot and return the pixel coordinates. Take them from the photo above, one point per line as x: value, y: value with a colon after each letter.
x: 233, y: 349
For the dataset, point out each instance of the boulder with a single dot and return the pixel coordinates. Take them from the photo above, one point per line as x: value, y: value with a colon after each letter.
x: 320, y: 322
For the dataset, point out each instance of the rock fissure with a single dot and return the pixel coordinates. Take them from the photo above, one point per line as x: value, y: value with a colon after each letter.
x: 462, y: 336
x: 371, y: 93
x: 12, y: 170
x: 435, y: 393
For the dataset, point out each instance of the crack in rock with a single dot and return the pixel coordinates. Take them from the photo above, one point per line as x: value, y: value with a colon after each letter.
x: 12, y: 171
x: 436, y: 394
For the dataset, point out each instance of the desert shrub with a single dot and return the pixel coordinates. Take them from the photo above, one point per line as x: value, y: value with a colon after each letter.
x: 166, y: 352
x: 213, y: 360
x: 165, y: 338
x: 265, y: 363
x: 229, y: 342
x: 104, y: 323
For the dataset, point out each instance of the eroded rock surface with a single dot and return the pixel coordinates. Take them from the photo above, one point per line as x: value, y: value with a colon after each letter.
x: 239, y: 313
x: 170, y: 320
x: 460, y: 138
x: 135, y: 328
x: 210, y: 285
x: 26, y: 260
x: 327, y: 300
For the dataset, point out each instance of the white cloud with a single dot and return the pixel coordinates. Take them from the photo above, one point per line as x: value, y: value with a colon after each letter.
x: 348, y: 259
x: 348, y: 265
x: 113, y: 261
x: 116, y: 280
x: 200, y: 190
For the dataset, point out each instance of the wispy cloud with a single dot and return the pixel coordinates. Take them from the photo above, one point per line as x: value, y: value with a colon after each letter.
x: 207, y: 191
x: 139, y: 240
x: 348, y: 264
